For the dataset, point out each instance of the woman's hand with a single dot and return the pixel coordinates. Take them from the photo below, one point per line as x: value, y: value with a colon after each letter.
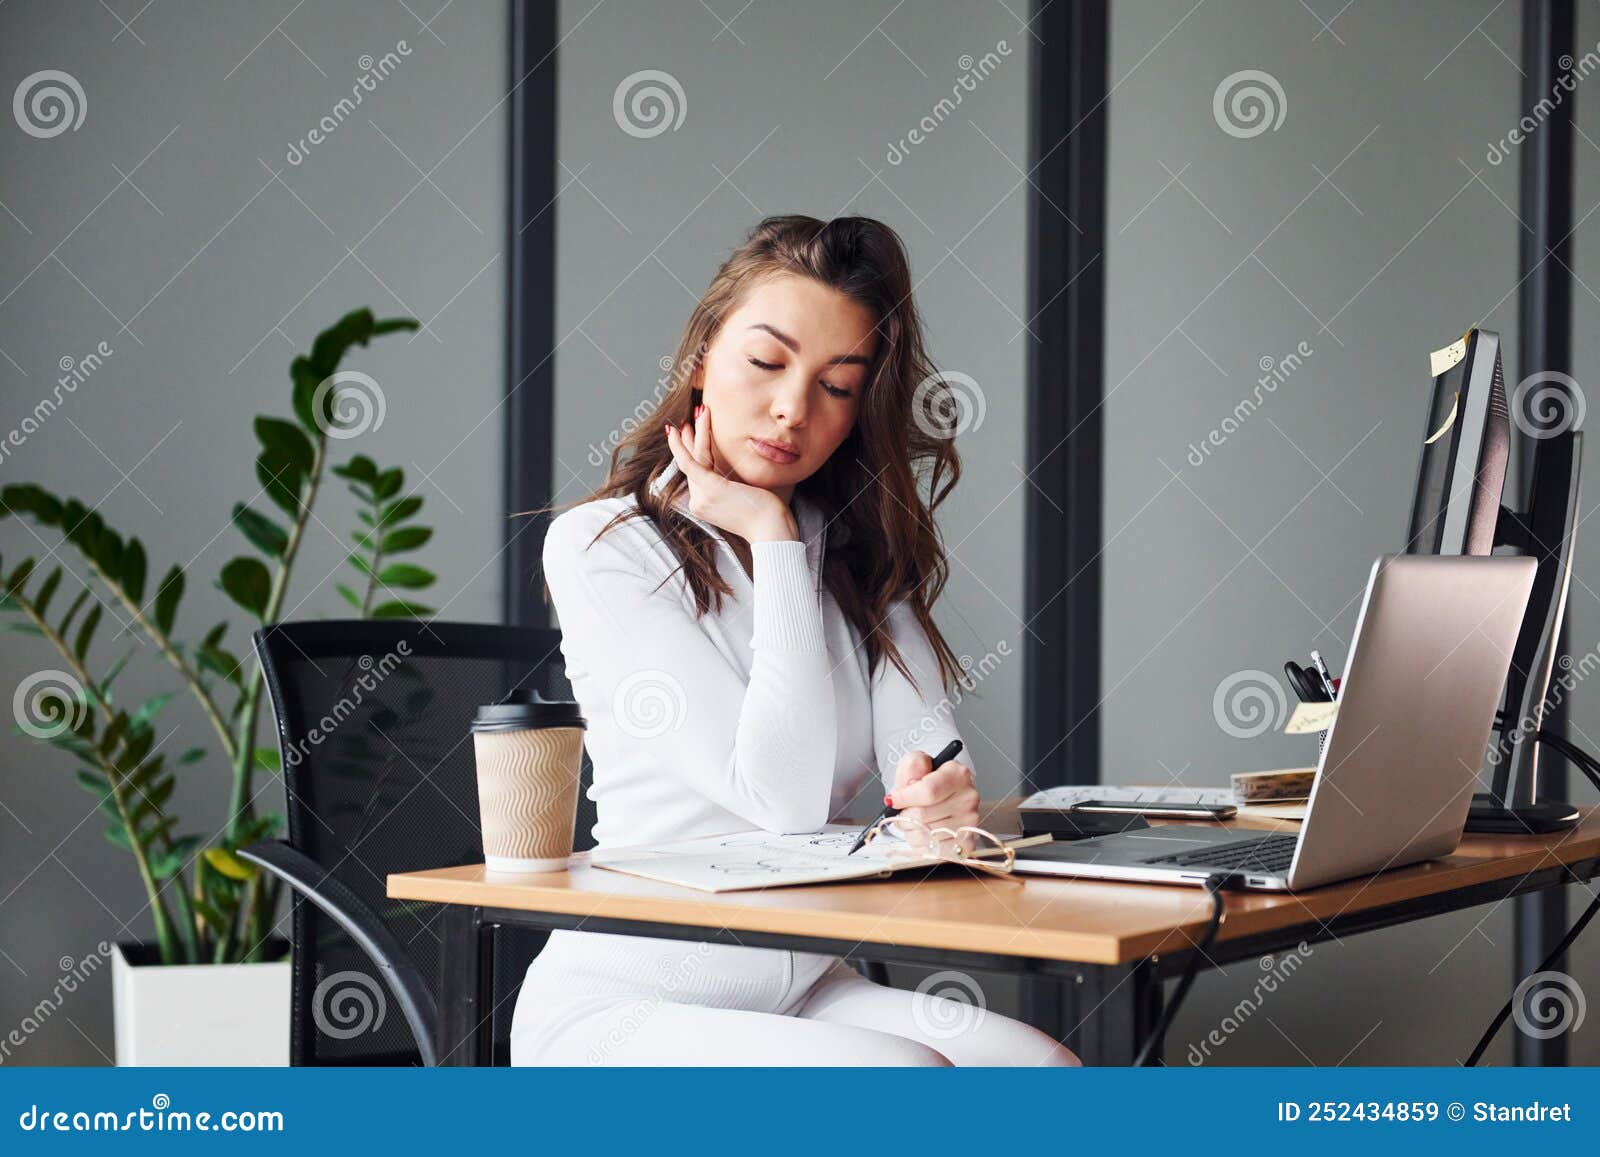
x: 945, y: 798
x: 754, y: 514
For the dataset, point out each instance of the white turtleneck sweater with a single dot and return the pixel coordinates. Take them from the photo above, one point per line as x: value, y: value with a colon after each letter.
x: 761, y: 715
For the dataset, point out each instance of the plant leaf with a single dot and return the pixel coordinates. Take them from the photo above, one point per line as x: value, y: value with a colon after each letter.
x: 227, y: 864
x: 20, y: 575
x: 406, y: 575
x: 400, y: 609
x: 77, y: 604
x: 149, y: 709
x: 42, y: 596
x: 167, y: 596
x: 359, y: 469
x: 401, y: 510
x: 406, y: 538
x: 246, y: 582
x: 388, y: 484
x: 133, y: 569
x: 264, y: 534
x: 80, y: 647
x: 348, y: 595
x: 118, y: 835
x: 281, y: 479
x: 168, y: 863
x: 287, y: 439
x: 220, y: 661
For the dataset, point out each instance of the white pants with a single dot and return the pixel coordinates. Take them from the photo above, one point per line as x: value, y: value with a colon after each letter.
x: 596, y: 998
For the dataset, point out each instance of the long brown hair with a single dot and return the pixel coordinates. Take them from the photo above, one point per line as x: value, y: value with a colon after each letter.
x: 882, y: 541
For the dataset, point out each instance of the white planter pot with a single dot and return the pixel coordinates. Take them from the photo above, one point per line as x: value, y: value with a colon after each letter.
x: 199, y: 1014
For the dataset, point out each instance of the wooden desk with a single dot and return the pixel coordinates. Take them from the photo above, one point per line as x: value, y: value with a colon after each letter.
x: 1115, y: 942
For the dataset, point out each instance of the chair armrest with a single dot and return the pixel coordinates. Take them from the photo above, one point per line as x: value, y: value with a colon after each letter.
x: 361, y: 923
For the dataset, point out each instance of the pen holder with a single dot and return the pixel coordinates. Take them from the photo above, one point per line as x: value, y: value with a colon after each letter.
x: 1322, y: 743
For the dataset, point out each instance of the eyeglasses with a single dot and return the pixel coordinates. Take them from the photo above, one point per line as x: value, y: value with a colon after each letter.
x: 966, y: 845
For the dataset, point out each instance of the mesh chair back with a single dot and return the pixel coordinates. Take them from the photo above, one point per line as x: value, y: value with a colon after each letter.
x: 373, y: 729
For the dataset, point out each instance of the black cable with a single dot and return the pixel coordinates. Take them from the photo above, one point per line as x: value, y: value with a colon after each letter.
x: 1576, y: 756
x: 1544, y: 966
x: 1214, y: 885
x: 1573, y: 754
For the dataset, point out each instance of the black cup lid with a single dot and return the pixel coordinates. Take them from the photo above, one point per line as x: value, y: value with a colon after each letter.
x: 524, y: 709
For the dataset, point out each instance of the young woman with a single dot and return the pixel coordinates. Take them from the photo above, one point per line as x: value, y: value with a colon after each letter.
x: 744, y: 608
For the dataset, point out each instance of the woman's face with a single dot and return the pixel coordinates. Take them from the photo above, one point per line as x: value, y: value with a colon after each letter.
x: 786, y: 372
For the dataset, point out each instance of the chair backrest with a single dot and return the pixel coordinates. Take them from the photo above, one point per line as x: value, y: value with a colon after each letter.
x: 373, y: 730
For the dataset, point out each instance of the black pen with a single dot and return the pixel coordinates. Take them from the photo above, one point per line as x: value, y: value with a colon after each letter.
x: 951, y: 750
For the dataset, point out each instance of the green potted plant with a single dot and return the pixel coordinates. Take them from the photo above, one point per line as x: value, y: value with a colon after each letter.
x: 213, y: 985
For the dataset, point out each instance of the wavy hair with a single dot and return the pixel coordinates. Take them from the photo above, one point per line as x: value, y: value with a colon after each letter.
x: 882, y: 541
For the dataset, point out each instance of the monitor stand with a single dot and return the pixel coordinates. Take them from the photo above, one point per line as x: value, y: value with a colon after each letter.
x: 1545, y: 533
x: 1489, y: 817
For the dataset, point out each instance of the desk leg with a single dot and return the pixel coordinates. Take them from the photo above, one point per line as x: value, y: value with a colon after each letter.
x: 465, y: 1026
x: 1103, y: 1014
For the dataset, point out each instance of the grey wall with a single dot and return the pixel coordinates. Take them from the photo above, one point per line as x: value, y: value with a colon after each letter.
x: 1225, y: 251
x: 793, y: 109
x: 205, y: 272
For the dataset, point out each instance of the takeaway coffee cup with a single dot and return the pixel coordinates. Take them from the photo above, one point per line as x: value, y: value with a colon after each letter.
x: 530, y: 755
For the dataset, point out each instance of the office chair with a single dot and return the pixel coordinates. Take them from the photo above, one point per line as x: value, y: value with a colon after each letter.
x: 373, y: 729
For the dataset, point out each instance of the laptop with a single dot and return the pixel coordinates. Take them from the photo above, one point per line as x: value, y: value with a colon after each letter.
x: 1426, y: 671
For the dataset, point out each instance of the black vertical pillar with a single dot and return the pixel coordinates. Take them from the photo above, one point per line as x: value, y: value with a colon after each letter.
x: 1061, y: 588
x: 1544, y: 333
x: 529, y: 412
x: 1066, y: 234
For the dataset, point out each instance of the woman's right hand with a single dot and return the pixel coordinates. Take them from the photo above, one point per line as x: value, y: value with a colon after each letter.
x: 754, y: 514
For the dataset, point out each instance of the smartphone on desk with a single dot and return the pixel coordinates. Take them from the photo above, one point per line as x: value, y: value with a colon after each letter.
x: 1158, y: 810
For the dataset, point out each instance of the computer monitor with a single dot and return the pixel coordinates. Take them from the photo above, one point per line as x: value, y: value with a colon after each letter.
x: 1457, y: 508
x: 1456, y: 504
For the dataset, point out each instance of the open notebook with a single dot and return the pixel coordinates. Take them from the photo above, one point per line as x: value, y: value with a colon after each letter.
x: 742, y: 860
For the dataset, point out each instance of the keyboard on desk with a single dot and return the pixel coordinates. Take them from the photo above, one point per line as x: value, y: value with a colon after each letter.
x: 1271, y: 854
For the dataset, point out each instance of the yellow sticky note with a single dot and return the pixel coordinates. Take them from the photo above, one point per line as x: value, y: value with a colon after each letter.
x: 1442, y: 360
x: 1309, y: 717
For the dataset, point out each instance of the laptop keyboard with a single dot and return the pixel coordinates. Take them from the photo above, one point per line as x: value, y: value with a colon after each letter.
x: 1269, y: 854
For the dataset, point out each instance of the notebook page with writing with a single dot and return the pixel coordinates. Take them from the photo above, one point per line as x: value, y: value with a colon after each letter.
x: 743, y: 860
